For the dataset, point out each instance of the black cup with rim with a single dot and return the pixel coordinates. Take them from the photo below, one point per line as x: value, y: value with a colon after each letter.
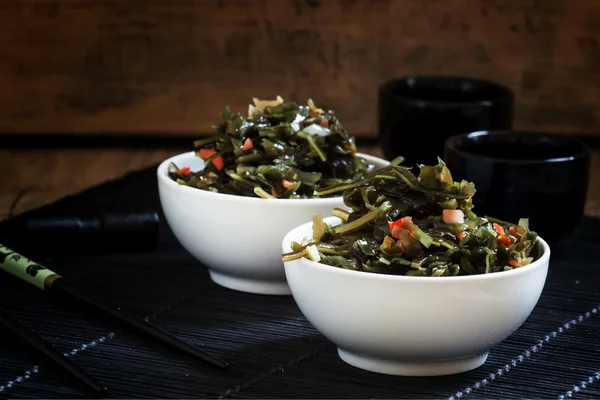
x: 540, y: 176
x: 417, y: 114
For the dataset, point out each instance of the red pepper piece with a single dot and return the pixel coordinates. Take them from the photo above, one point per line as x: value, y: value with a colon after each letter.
x: 247, y: 145
x: 184, y: 171
x: 402, y: 224
x: 499, y: 229
x: 504, y: 240
x: 207, y: 153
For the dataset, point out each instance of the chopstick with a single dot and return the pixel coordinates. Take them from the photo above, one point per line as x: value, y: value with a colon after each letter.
x: 48, y: 351
x: 45, y: 279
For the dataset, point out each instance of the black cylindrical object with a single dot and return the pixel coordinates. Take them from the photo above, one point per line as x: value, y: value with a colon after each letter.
x: 417, y: 114
x: 517, y: 174
x: 106, y: 233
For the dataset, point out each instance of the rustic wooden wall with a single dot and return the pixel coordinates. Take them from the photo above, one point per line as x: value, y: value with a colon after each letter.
x: 171, y: 65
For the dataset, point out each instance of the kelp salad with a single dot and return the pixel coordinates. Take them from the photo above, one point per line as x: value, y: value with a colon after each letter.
x: 278, y: 150
x: 423, y: 225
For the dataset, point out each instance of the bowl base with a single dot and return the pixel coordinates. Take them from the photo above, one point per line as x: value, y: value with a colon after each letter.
x: 413, y: 368
x: 250, y: 285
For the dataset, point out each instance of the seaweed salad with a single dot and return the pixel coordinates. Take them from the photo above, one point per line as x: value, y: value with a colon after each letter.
x: 279, y: 150
x: 424, y: 225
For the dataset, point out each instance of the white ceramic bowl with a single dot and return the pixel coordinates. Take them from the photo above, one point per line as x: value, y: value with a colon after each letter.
x: 413, y: 326
x: 238, y: 238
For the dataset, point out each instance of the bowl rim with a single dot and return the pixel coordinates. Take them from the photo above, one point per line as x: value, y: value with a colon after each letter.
x: 537, y: 264
x: 163, y: 177
x: 504, y: 93
x: 451, y: 145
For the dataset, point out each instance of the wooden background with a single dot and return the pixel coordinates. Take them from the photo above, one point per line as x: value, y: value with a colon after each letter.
x: 165, y: 66
x: 169, y: 66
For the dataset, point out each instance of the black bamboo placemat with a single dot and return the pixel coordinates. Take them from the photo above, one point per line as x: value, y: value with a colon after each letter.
x: 273, y: 350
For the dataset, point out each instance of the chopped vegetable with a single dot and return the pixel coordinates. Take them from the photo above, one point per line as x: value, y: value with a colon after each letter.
x: 453, y: 216
x: 499, y: 229
x: 206, y: 153
x: 318, y: 227
x: 211, y: 155
x: 284, y: 149
x: 504, y: 240
x: 184, y: 171
x: 247, y: 145
x: 423, y: 225
x: 287, y: 184
x: 401, y: 226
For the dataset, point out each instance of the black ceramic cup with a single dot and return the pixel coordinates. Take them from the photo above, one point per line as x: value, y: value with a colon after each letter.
x: 417, y: 114
x: 543, y: 177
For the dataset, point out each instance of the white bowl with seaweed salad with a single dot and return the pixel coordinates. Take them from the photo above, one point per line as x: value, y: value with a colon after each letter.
x: 231, y: 201
x: 411, y: 281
